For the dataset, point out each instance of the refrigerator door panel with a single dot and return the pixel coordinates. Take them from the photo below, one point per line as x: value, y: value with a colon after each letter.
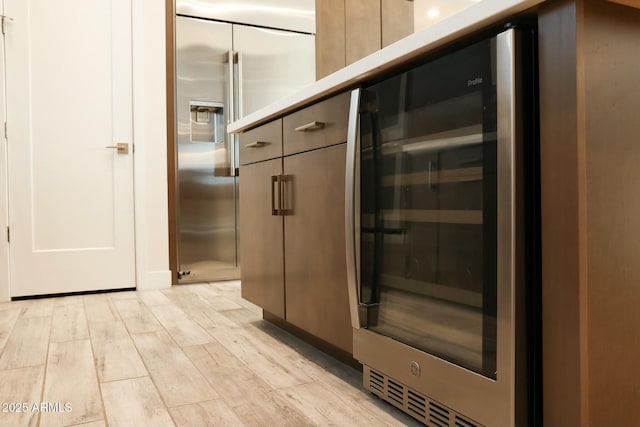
x: 294, y: 15
x: 206, y: 192
x: 271, y: 64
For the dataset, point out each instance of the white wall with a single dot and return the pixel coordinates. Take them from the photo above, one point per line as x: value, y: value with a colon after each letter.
x: 150, y: 158
x: 150, y: 139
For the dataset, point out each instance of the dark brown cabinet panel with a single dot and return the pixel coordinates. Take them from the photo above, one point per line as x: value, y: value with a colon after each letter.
x: 315, y: 268
x: 292, y: 211
x: 317, y: 126
x: 261, y: 240
x: 261, y: 143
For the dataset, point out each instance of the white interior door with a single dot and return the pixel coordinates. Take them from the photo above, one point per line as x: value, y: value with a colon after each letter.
x: 69, y: 96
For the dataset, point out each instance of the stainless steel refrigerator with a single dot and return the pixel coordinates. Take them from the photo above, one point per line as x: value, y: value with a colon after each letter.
x: 223, y: 72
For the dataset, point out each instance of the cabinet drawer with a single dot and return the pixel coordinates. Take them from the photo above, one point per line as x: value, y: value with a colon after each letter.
x: 261, y: 143
x: 319, y: 125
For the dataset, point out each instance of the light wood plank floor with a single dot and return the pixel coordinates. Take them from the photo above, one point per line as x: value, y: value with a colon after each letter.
x: 193, y: 355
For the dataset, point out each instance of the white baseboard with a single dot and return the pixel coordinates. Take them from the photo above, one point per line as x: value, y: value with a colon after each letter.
x: 156, y: 280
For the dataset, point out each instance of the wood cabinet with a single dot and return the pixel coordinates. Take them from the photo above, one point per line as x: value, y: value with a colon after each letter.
x: 330, y: 37
x: 261, y: 143
x: 261, y: 239
x: 348, y: 30
x: 314, y: 246
x: 589, y: 155
x: 292, y: 220
x: 317, y: 126
x: 397, y: 20
x: 363, y: 32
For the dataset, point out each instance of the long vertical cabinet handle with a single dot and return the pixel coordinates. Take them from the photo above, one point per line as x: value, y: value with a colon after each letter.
x: 508, y: 132
x: 282, y: 196
x: 275, y: 179
x: 352, y: 209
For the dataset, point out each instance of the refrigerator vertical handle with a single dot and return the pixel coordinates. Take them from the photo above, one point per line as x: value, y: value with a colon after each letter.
x: 231, y: 116
x: 230, y: 88
x: 239, y: 83
x: 352, y: 209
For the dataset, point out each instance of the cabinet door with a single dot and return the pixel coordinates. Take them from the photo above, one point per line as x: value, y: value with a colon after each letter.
x: 397, y: 20
x: 330, y: 32
x: 261, y: 239
x: 315, y: 271
x: 363, y: 28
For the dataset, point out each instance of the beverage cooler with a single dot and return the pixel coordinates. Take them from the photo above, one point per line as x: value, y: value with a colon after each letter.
x: 442, y: 235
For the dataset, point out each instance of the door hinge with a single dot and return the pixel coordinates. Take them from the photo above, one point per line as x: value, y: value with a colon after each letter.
x: 4, y: 19
x: 8, y: 234
x: 5, y: 131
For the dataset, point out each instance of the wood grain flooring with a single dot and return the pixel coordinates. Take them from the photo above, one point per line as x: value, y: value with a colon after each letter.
x: 20, y: 386
x: 69, y: 323
x: 134, y: 402
x: 193, y: 355
x: 71, y: 378
x: 27, y: 344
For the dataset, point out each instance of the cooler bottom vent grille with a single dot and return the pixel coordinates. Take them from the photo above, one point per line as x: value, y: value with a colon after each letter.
x: 461, y: 422
x: 395, y: 391
x: 416, y: 404
x: 377, y: 382
x: 438, y: 415
x: 413, y: 403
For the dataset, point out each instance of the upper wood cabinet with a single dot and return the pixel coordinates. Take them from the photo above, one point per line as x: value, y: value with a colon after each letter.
x: 397, y: 20
x: 363, y: 32
x: 348, y: 30
x: 330, y: 37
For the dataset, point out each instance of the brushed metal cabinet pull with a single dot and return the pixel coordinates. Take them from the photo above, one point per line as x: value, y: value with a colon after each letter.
x: 255, y: 144
x: 315, y: 125
x: 275, y: 179
x: 285, y: 210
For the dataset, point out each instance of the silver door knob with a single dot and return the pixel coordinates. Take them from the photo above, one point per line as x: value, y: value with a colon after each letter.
x: 122, y: 147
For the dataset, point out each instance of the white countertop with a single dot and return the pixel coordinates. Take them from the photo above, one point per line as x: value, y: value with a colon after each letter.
x: 474, y: 18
